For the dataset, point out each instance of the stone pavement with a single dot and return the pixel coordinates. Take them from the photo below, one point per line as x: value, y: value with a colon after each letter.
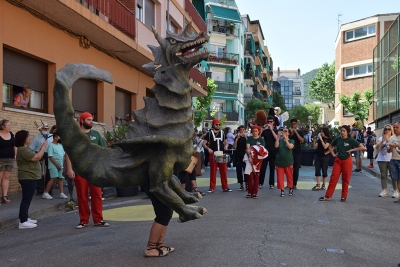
x: 39, y: 206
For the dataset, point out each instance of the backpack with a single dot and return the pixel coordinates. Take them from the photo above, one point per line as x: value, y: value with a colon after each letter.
x: 360, y: 137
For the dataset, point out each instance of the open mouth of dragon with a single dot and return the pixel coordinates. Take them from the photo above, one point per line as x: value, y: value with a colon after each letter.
x: 191, y: 49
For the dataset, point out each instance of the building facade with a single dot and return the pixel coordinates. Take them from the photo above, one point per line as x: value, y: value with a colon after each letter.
x: 291, y: 87
x: 39, y: 37
x: 386, y: 78
x: 354, y: 59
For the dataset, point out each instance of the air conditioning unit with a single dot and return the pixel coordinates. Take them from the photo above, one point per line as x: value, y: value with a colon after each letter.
x: 206, y: 124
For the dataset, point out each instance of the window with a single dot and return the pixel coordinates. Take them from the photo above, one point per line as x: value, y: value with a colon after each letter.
x: 149, y: 16
x: 20, y: 70
x: 347, y: 113
x: 122, y: 106
x: 297, y: 101
x: 84, y: 97
x: 360, y: 33
x: 139, y: 12
x: 358, y: 71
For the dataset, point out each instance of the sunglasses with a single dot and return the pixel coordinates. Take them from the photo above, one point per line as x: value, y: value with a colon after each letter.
x: 216, y: 124
x: 388, y: 129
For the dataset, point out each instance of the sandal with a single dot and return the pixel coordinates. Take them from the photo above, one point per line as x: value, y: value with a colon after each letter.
x: 153, y: 246
x: 325, y: 198
x: 5, y: 200
x: 195, y: 189
x: 169, y: 249
x: 248, y: 196
x: 316, y: 188
x: 323, y: 187
x: 241, y: 188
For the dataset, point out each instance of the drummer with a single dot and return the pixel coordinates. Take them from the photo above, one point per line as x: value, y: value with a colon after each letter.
x: 215, y: 143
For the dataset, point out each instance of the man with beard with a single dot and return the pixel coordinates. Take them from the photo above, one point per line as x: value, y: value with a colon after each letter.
x: 82, y: 185
x: 215, y: 142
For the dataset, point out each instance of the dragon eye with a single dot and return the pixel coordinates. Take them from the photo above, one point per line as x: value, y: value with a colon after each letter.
x: 172, y: 41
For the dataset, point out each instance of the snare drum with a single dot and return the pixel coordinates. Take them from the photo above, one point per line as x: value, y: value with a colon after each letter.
x: 224, y: 158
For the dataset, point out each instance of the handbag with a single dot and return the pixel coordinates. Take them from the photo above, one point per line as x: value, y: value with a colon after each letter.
x: 193, y: 162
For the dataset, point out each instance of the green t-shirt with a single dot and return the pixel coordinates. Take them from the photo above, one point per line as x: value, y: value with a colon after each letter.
x: 252, y: 141
x: 343, y: 145
x: 95, y: 137
x: 284, y: 158
x: 27, y: 169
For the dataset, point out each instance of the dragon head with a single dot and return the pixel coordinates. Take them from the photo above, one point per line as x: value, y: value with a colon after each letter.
x: 177, y: 54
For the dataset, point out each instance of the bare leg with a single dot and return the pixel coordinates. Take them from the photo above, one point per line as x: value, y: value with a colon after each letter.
x: 49, y: 185
x: 60, y: 185
x: 358, y: 162
x: 5, y: 182
x: 157, y: 231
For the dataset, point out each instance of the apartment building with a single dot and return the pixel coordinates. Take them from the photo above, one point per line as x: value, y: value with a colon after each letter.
x: 354, y: 59
x: 39, y: 37
x: 386, y: 77
x: 291, y: 87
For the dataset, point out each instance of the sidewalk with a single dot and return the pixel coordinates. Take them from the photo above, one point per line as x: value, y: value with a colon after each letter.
x: 374, y: 171
x: 39, y: 206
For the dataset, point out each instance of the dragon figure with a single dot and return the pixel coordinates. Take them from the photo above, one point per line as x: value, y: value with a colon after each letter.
x: 159, y: 141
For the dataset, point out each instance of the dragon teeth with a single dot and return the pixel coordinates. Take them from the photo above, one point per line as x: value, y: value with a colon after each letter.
x: 179, y: 54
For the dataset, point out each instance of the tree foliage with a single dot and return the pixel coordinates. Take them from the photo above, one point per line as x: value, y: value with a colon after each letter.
x: 253, y: 106
x: 358, y: 105
x: 202, y: 103
x: 278, y: 101
x: 302, y: 113
x: 322, y: 87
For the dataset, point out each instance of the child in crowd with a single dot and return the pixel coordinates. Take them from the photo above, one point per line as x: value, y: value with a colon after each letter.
x: 56, y: 155
x: 370, y: 148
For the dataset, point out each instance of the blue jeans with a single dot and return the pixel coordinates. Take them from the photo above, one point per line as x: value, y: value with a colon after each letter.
x: 395, y: 166
x: 28, y: 190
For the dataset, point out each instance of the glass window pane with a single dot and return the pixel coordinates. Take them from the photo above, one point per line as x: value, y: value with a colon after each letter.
x: 36, y: 100
x: 370, y: 68
x: 6, y: 93
x: 371, y: 29
x: 349, y: 72
x: 360, y: 32
x: 349, y: 35
x: 360, y: 70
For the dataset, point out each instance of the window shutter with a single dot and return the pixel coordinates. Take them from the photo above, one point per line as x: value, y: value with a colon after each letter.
x: 21, y: 70
x: 122, y: 104
x: 84, y: 95
x: 149, y: 13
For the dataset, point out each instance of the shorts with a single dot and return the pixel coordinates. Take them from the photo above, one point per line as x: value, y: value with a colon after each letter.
x: 54, y: 173
x: 356, y: 154
x: 7, y: 164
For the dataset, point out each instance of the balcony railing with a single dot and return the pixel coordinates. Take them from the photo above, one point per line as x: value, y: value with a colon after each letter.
x: 198, y: 77
x: 259, y: 75
x: 195, y: 16
x: 230, y: 116
x: 249, y: 75
x: 115, y: 13
x: 222, y: 57
x: 296, y: 93
x: 222, y: 27
x: 226, y: 87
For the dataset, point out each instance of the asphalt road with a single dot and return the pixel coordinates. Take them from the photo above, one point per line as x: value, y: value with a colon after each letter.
x: 268, y: 231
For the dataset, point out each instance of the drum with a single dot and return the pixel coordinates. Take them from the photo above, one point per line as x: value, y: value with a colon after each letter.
x: 222, y: 158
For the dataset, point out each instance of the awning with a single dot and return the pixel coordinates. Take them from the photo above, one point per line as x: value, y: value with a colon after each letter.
x: 225, y: 13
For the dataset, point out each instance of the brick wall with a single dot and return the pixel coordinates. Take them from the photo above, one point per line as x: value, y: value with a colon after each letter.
x: 25, y: 121
x: 358, y: 50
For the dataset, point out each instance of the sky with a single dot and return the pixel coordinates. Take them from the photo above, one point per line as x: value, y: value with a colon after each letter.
x: 302, y: 33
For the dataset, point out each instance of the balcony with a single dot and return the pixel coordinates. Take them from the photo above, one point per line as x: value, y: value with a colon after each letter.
x: 258, y: 76
x: 296, y: 93
x: 224, y: 58
x: 226, y: 87
x: 195, y: 16
x: 196, y: 76
x: 222, y: 27
x: 249, y: 77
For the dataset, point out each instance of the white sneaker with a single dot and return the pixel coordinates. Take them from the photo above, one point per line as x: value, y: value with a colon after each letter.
x: 26, y: 225
x: 395, y: 194
x: 31, y: 221
x: 62, y: 195
x: 383, y: 193
x: 47, y: 196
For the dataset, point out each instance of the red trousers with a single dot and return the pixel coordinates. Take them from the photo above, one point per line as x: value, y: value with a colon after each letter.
x: 343, y: 167
x: 253, y: 180
x: 82, y: 187
x: 213, y: 173
x: 280, y: 172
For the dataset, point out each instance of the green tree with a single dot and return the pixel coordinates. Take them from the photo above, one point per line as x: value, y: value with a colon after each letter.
x: 278, y: 101
x: 322, y: 87
x: 357, y: 105
x: 396, y: 62
x: 302, y: 113
x: 202, y: 103
x: 253, y: 106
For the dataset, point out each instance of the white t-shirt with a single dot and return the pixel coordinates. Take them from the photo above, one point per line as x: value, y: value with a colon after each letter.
x: 395, y: 139
x: 383, y: 155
